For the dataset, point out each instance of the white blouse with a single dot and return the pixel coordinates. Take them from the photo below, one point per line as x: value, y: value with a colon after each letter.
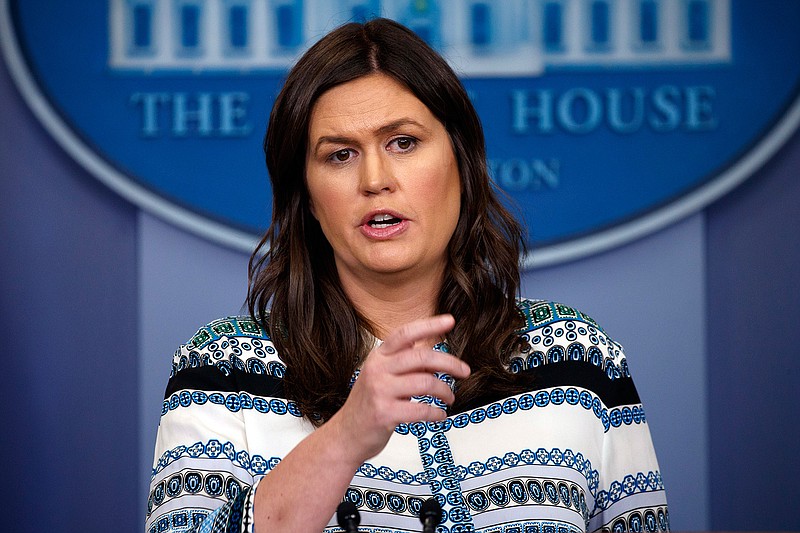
x: 573, y: 454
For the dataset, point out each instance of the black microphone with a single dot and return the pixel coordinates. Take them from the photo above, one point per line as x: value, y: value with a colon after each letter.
x: 430, y: 514
x: 348, y: 516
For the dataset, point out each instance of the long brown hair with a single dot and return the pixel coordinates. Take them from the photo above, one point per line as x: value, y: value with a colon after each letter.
x: 294, y: 287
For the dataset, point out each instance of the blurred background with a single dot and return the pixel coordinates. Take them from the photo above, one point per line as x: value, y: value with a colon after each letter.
x: 671, y: 219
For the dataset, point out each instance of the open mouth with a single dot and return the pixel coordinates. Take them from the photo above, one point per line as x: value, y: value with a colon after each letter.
x: 383, y: 221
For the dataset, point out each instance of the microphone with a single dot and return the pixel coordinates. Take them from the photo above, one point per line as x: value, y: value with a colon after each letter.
x: 348, y: 516
x: 430, y: 514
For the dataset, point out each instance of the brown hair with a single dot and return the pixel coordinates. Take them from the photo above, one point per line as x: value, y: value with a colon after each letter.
x: 294, y: 286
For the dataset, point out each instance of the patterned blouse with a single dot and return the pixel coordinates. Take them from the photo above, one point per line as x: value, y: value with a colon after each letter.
x: 572, y: 454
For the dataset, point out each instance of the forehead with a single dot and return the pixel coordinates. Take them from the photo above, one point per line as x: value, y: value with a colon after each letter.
x: 368, y: 102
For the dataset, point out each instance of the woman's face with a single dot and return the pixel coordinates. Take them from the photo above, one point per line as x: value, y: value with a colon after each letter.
x: 382, y: 179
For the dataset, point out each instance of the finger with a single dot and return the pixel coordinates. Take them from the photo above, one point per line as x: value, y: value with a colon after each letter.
x: 411, y: 412
x: 441, y: 391
x: 426, y: 360
x: 406, y: 335
x: 421, y: 385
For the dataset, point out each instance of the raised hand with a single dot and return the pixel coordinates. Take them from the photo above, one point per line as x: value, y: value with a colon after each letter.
x: 402, y: 367
x: 320, y: 468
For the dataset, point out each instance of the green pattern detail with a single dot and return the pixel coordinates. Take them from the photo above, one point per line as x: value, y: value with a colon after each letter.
x: 537, y: 313
x: 249, y: 326
x: 566, y: 311
x: 223, y: 328
x: 230, y: 326
x: 541, y: 313
x: 200, y: 338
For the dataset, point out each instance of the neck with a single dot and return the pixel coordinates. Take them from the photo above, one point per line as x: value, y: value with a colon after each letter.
x: 389, y: 301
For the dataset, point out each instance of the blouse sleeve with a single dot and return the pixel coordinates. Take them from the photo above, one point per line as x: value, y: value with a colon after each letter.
x: 630, y: 492
x: 202, y: 479
x: 567, y: 347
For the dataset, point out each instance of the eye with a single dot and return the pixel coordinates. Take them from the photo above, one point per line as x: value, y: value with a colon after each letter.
x: 403, y: 144
x: 341, y: 156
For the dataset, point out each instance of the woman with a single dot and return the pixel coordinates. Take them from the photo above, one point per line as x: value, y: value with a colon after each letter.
x: 387, y: 281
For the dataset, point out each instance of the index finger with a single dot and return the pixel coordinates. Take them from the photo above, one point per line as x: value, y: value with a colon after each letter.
x: 408, y: 334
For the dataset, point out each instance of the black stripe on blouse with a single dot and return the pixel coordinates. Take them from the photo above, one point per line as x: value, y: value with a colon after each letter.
x: 209, y: 378
x: 580, y: 374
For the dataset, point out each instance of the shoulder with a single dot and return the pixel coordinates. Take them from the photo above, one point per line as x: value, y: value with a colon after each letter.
x: 229, y: 327
x: 555, y: 333
x: 230, y: 343
x: 540, y: 313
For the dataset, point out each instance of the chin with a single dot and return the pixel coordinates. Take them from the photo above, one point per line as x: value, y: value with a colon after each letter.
x: 400, y: 265
x: 390, y: 267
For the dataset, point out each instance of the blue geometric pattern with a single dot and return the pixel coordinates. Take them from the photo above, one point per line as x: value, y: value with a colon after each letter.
x: 252, y: 364
x: 214, y: 449
x: 576, y: 351
x: 223, y: 486
x: 229, y: 517
x: 648, y: 520
x: 542, y: 457
x: 626, y: 415
x: 183, y: 520
x: 629, y: 486
x: 556, y: 333
x: 234, y: 402
x: 538, y: 313
x: 444, y: 479
x: 233, y: 326
x: 439, y: 470
x: 539, y: 526
x: 232, y: 342
x: 521, y: 491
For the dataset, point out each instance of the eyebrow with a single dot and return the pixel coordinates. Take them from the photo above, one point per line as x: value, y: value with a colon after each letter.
x: 383, y: 130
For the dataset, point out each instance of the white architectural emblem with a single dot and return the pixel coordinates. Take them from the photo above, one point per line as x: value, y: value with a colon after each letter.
x: 479, y: 37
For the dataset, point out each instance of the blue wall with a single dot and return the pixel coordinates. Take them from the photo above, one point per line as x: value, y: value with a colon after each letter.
x: 754, y: 355
x: 68, y: 305
x: 95, y: 295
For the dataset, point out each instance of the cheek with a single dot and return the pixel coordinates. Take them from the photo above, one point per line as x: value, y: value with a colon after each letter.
x: 442, y: 198
x: 439, y: 177
x: 451, y: 189
x: 329, y: 208
x: 320, y: 196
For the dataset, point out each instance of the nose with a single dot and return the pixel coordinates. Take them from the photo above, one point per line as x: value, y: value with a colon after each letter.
x: 377, y: 175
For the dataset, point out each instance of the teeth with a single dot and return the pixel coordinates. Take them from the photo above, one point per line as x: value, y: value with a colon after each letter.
x: 383, y: 221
